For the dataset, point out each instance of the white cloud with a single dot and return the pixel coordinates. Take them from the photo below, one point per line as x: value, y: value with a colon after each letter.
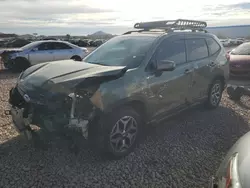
x: 116, y: 16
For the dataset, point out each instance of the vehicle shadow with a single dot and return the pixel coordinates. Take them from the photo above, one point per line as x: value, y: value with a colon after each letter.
x: 190, y: 145
x: 243, y: 105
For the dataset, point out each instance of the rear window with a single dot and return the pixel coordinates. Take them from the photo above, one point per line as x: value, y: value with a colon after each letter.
x: 243, y: 49
x: 213, y: 46
x: 196, y: 49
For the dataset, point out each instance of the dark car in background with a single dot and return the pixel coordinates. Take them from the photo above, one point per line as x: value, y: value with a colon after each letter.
x: 97, y: 42
x: 240, y: 61
x: 16, y: 43
x: 83, y: 43
x: 132, y: 80
x: 234, y: 170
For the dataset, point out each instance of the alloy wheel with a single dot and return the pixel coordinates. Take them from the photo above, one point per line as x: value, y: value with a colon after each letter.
x: 215, y: 94
x: 123, y: 134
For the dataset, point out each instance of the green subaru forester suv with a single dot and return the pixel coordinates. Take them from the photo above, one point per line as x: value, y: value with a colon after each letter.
x: 135, y: 79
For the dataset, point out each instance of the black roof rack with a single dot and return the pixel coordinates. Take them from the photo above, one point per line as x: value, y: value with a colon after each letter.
x: 170, y: 25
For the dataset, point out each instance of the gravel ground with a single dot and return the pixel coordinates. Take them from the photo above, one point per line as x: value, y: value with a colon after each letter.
x: 181, y: 152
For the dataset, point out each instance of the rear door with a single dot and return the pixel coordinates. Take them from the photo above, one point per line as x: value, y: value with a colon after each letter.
x: 41, y: 53
x: 62, y: 51
x: 169, y: 89
x: 198, y: 56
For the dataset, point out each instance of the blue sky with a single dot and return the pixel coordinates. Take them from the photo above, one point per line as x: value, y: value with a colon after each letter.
x: 79, y: 17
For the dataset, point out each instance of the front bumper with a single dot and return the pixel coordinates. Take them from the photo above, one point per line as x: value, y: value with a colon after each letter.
x: 51, y: 115
x: 22, y: 113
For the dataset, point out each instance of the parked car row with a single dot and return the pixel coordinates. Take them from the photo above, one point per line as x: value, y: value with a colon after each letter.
x: 232, y: 42
x: 14, y: 43
x: 88, y: 43
x: 18, y: 42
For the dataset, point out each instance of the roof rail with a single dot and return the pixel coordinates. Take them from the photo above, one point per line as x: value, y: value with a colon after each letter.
x: 180, y: 24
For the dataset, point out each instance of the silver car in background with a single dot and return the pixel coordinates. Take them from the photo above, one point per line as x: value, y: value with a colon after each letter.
x: 234, y: 170
x: 39, y: 52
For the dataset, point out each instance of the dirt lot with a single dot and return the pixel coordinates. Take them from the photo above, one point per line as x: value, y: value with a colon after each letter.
x: 182, y: 152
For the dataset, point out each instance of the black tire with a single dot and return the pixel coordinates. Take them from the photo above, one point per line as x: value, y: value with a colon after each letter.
x: 235, y: 94
x: 20, y: 64
x: 76, y: 58
x: 107, y: 125
x: 212, y: 101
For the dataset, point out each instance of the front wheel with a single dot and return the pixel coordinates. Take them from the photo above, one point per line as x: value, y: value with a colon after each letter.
x: 214, y: 94
x: 121, y: 132
x: 20, y: 64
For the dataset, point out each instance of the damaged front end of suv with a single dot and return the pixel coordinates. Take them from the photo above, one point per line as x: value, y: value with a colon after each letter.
x: 60, y: 95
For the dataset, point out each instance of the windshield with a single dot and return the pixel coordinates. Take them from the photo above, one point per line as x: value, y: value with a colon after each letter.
x: 122, y: 51
x: 243, y: 49
x: 30, y: 45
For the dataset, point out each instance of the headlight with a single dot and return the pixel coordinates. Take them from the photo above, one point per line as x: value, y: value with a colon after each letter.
x: 13, y: 56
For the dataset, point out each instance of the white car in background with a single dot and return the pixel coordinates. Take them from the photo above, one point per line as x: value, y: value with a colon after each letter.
x: 39, y: 52
x: 225, y: 42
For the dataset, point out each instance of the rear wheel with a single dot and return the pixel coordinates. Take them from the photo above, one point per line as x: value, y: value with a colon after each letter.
x: 76, y: 58
x: 235, y: 94
x: 215, y: 94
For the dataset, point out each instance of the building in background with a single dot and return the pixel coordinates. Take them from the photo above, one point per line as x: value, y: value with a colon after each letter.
x: 238, y: 31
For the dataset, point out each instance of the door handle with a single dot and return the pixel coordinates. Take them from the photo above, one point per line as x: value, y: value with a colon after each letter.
x: 187, y: 71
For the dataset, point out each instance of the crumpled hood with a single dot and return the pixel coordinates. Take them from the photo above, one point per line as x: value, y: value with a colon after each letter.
x: 65, y: 71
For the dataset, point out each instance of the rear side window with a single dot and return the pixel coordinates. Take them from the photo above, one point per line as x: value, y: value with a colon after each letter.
x: 173, y: 51
x: 196, y: 49
x: 61, y: 46
x: 45, y: 46
x: 213, y: 46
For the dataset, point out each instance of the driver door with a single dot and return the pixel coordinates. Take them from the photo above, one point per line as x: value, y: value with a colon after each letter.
x: 42, y: 53
x: 169, y: 89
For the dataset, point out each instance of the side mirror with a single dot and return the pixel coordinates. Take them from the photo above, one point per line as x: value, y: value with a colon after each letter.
x: 34, y: 49
x: 166, y: 65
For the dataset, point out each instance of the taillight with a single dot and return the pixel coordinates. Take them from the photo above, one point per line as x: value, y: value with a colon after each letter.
x: 228, y: 56
x: 232, y: 177
x: 229, y: 175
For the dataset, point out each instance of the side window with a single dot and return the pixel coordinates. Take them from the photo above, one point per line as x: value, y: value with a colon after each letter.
x: 196, y: 49
x: 213, y: 46
x: 61, y: 46
x: 173, y: 51
x: 45, y: 46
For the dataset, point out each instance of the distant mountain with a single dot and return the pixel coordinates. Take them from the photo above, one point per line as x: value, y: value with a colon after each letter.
x: 99, y: 33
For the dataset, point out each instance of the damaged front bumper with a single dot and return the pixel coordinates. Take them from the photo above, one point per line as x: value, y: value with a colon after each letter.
x: 25, y: 111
